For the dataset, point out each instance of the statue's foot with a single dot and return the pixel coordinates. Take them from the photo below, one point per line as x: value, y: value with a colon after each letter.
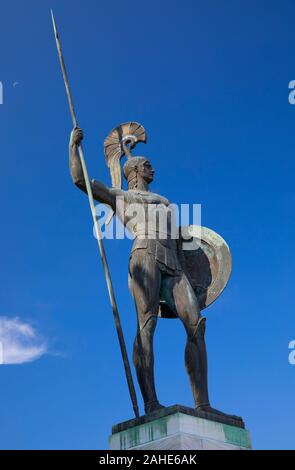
x: 151, y: 406
x: 209, y: 409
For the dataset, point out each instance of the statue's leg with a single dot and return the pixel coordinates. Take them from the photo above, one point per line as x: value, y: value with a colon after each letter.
x: 187, y: 308
x: 145, y: 286
x: 188, y: 311
x: 143, y: 358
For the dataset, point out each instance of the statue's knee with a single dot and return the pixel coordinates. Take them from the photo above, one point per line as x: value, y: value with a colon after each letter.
x: 144, y: 336
x: 197, y: 331
x: 147, y: 324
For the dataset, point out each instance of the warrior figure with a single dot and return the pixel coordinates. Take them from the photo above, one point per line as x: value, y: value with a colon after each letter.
x: 156, y: 269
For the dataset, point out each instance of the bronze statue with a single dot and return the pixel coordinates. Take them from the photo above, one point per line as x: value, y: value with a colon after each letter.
x: 160, y: 277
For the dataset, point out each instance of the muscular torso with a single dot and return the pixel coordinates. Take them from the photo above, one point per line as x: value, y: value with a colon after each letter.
x: 150, y: 219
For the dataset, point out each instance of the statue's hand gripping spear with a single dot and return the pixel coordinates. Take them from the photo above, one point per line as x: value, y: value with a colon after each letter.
x: 98, y: 232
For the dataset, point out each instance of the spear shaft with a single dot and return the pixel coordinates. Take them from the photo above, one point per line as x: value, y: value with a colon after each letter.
x: 98, y: 232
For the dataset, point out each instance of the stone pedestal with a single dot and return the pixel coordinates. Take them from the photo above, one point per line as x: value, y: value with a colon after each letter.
x: 180, y: 428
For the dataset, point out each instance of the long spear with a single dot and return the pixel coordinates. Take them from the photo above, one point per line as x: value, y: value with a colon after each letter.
x: 98, y: 232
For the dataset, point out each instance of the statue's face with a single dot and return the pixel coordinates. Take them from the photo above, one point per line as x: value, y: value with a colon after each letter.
x: 145, y: 170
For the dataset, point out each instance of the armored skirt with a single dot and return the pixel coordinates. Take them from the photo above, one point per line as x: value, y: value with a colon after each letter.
x: 151, y: 261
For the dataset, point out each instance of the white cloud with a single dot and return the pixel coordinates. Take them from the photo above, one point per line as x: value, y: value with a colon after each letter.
x: 19, y: 342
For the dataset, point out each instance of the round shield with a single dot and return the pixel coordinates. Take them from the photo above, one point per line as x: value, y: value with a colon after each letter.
x: 207, y: 262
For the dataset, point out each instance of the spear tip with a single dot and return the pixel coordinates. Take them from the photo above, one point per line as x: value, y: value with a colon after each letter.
x: 54, y: 24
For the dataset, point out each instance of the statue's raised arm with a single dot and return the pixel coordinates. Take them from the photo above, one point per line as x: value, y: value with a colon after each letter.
x: 100, y: 192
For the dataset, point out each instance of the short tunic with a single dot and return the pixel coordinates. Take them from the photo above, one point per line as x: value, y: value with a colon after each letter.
x: 156, y: 239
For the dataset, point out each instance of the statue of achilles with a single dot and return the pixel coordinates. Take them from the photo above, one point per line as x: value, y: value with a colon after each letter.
x: 155, y: 267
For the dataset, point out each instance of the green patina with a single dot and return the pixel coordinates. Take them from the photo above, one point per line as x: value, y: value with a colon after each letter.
x: 152, y: 431
x: 237, y: 436
x: 157, y: 429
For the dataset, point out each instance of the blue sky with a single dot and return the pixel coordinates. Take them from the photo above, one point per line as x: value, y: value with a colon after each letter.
x: 209, y: 81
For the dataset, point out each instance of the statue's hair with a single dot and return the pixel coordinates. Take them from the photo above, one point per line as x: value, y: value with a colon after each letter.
x: 130, y: 172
